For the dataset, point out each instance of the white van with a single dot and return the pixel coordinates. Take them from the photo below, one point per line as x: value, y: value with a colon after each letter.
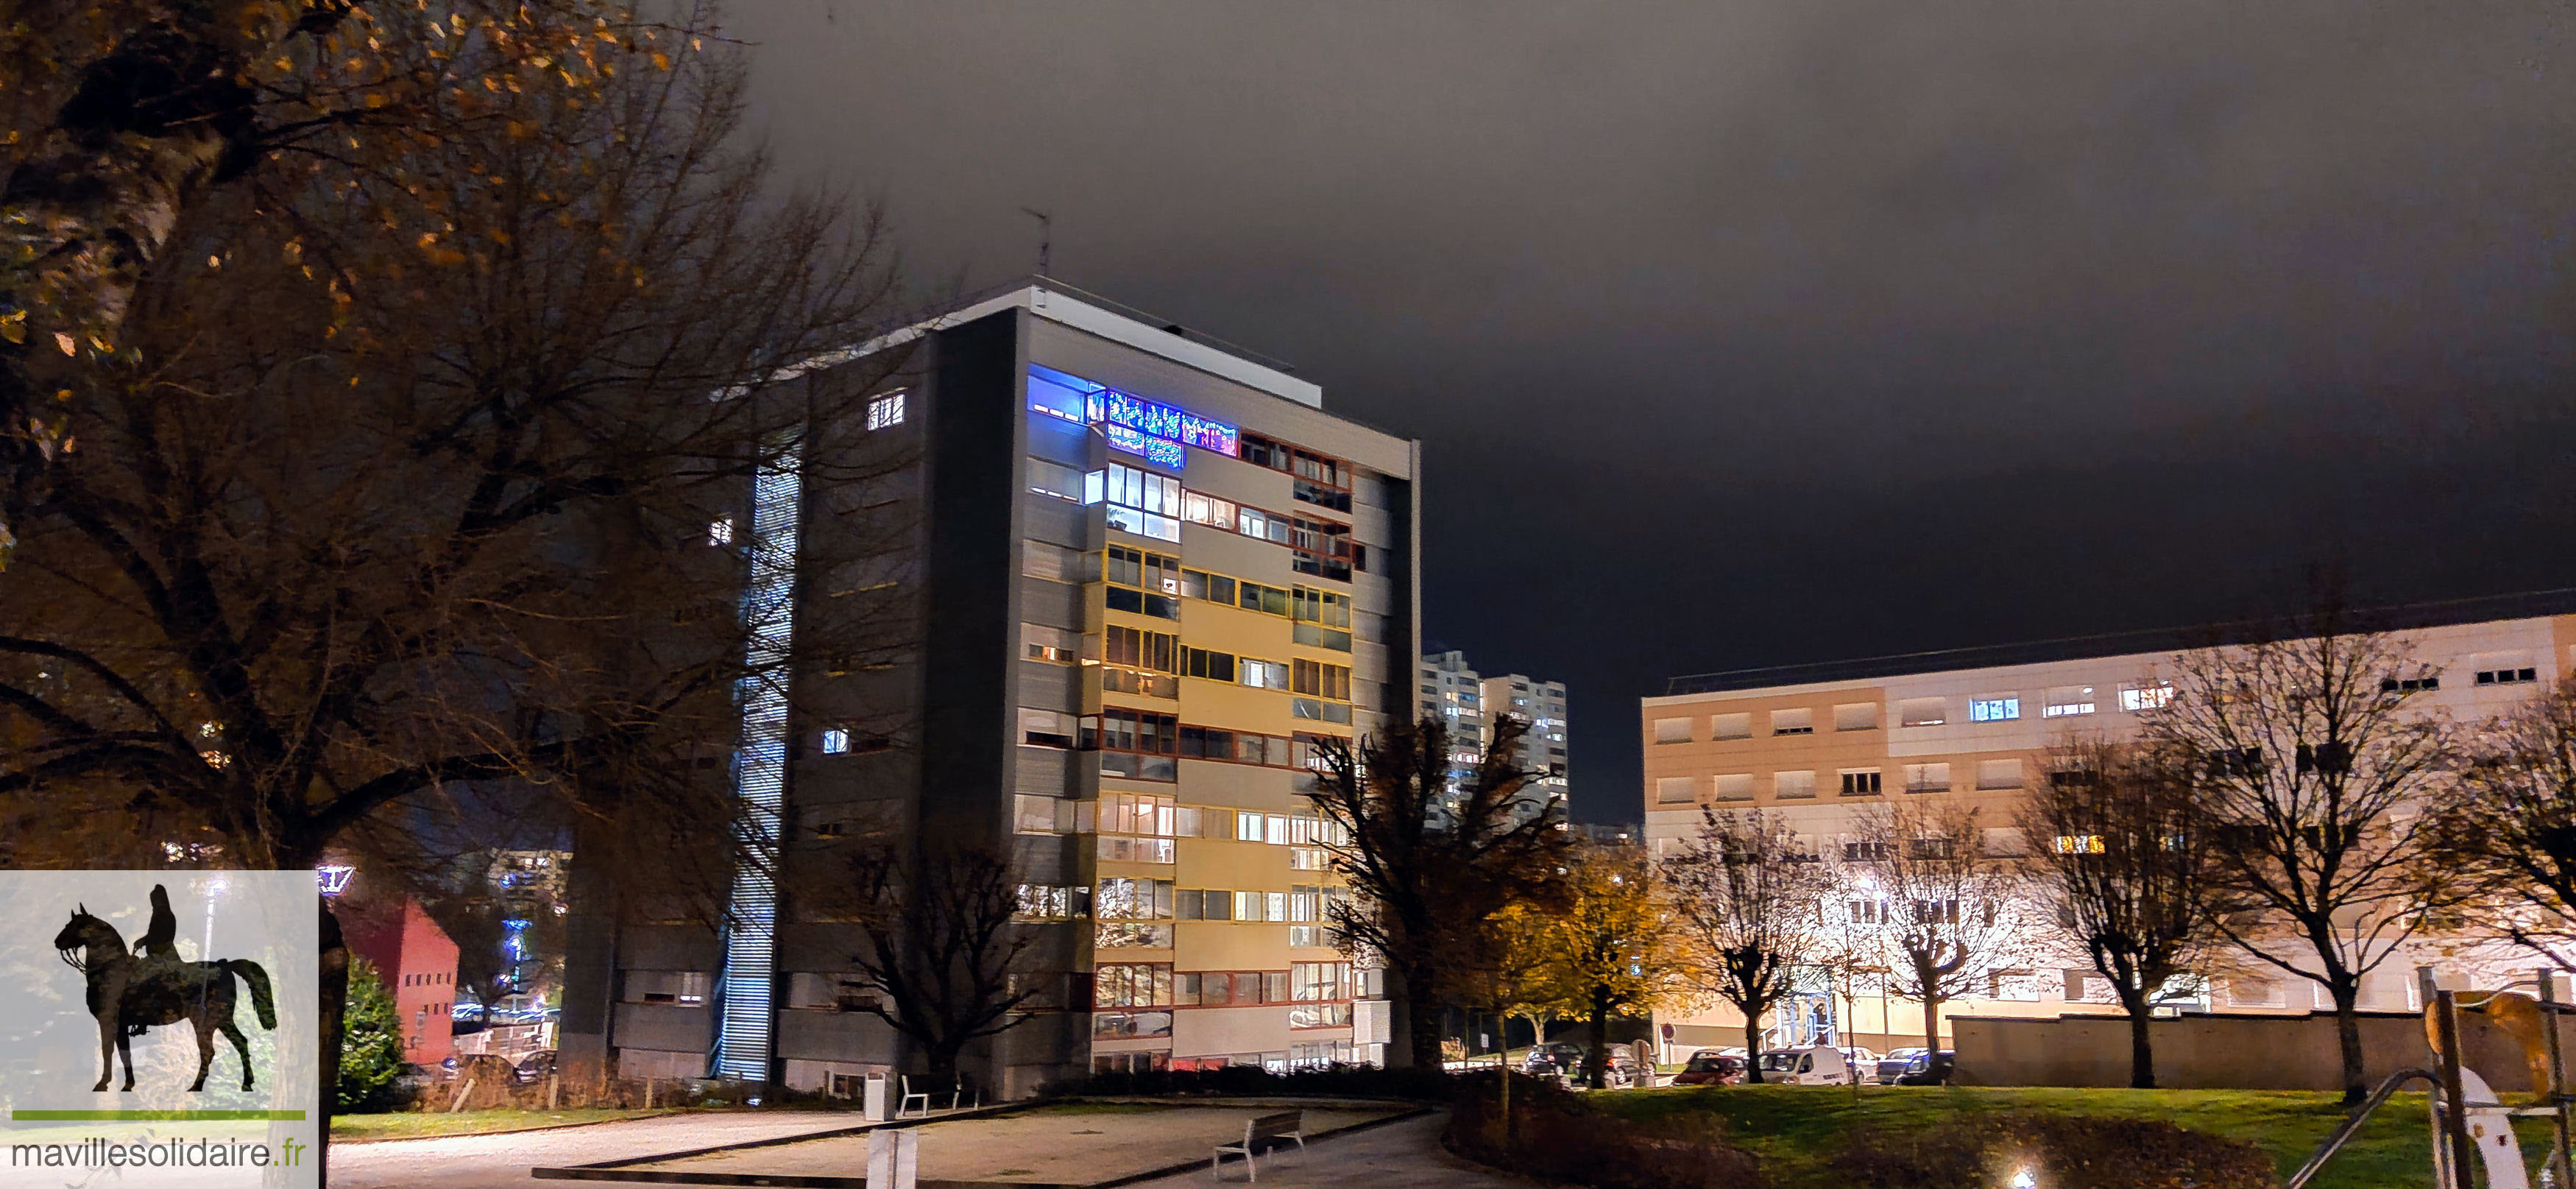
x: 1821, y: 1065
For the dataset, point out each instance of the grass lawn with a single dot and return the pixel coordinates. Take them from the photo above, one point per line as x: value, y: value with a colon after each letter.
x: 1795, y: 1129
x: 417, y: 1124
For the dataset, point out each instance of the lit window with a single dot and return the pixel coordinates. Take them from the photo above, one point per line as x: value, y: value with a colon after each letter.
x: 885, y: 411
x: 720, y: 531
x: 1054, y: 645
x: 2067, y: 700
x: 836, y: 741
x: 2134, y: 698
x: 2079, y: 844
x: 1994, y: 709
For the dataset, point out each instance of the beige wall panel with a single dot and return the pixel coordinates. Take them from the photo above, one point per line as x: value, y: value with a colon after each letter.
x: 1233, y: 555
x: 1224, y: 945
x: 1223, y: 704
x: 1237, y: 786
x: 1216, y: 1030
x: 1218, y: 863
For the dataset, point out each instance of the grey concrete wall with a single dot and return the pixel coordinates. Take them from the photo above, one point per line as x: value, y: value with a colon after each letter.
x: 2225, y: 1052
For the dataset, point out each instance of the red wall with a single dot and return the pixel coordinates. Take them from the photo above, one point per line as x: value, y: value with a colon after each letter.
x: 418, y: 964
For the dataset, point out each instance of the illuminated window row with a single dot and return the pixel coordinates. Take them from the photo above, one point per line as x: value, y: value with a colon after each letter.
x: 1144, y: 583
x: 1156, y: 984
x: 1145, y: 745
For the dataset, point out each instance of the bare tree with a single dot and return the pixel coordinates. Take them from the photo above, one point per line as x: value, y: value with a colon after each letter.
x: 1751, y: 897
x: 2302, y: 751
x: 1427, y: 865
x: 1944, y: 915
x: 404, y: 498
x: 2505, y: 823
x: 2123, y: 861
x: 123, y: 122
x: 393, y: 485
x: 946, y: 957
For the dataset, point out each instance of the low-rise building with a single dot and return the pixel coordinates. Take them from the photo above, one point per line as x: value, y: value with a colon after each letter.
x: 1817, y: 744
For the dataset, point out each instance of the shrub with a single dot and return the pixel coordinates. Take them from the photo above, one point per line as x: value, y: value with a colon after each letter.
x: 371, y: 1046
x: 1556, y: 1136
x: 2060, y: 1151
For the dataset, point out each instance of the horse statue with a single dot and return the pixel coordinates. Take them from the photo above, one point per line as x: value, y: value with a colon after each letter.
x: 128, y: 994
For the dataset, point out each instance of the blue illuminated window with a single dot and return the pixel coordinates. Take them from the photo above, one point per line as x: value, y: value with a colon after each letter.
x: 1993, y: 709
x: 1131, y: 423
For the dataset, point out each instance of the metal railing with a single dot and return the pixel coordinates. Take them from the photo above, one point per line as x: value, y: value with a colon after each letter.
x: 2352, y: 1124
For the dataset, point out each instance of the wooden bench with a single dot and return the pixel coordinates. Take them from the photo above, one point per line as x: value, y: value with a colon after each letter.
x: 1262, y: 1131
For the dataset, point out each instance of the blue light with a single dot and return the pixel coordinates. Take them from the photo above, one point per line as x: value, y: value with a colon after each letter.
x: 744, y: 1017
x: 1068, y: 396
x: 1155, y: 450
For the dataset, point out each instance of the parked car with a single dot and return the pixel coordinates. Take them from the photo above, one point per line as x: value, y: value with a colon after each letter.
x: 1819, y: 1065
x: 533, y: 1068
x: 1863, y: 1062
x: 1892, y: 1066
x: 1929, y: 1069
x: 1710, y: 1068
x: 1563, y: 1058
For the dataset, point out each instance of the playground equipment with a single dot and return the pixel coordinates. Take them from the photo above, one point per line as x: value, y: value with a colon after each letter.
x: 2471, y: 1125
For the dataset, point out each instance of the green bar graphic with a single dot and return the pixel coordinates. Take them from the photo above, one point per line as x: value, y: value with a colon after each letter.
x: 17, y: 1116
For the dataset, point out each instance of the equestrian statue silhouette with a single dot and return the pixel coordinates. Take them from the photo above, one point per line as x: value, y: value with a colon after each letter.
x: 130, y: 993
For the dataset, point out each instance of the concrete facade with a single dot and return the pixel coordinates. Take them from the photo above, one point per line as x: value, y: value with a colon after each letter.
x: 1143, y: 576
x: 1813, y: 744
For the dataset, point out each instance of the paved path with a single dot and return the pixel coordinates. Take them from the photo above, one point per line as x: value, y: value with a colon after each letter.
x: 478, y: 1161
x: 1404, y: 1155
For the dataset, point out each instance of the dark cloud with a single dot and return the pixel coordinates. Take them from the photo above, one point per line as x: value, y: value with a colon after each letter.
x: 1743, y: 333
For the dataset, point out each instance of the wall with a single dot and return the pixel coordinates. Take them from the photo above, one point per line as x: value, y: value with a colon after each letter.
x: 2282, y: 1052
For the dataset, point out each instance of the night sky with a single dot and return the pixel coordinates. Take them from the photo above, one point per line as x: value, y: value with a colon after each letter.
x: 1746, y: 333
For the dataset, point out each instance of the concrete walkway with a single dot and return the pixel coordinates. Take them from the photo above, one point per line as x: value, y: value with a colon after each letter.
x: 1405, y: 1155
x: 477, y: 1161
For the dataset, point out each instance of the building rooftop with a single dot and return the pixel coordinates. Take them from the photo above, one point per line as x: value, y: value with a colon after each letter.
x: 1058, y: 302
x: 2439, y: 613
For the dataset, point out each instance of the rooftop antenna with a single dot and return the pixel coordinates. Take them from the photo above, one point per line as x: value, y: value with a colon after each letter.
x: 1046, y: 237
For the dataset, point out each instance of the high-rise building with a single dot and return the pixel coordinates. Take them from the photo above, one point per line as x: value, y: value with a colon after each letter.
x: 1471, y: 703
x: 1140, y: 576
x: 1453, y: 693
x: 1816, y: 745
x: 1542, y: 748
